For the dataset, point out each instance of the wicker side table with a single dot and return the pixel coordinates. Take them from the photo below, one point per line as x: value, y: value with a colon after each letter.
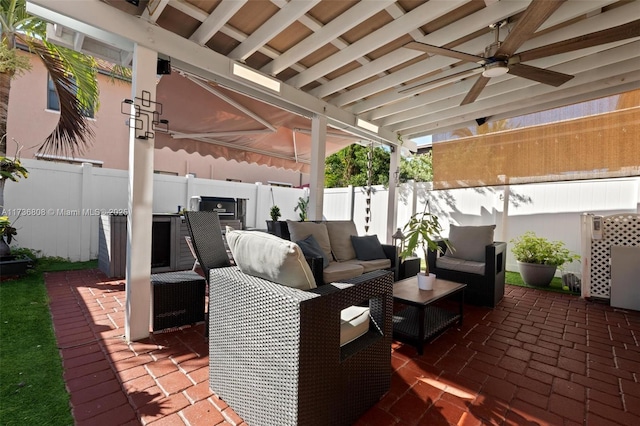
x: 178, y: 299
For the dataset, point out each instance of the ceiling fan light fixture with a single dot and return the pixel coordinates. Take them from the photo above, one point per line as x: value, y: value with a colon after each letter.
x: 495, y: 69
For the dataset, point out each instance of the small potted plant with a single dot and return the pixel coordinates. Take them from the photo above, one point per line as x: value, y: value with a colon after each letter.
x: 423, y: 231
x: 538, y: 258
x: 274, y: 214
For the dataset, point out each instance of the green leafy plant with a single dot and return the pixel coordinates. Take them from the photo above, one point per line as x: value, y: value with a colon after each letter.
x: 529, y: 248
x: 275, y: 213
x: 422, y: 232
x: 303, y: 203
x: 12, y: 169
x: 6, y: 229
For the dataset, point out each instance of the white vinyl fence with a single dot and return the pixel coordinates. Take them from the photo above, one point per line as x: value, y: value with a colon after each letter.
x: 59, y: 205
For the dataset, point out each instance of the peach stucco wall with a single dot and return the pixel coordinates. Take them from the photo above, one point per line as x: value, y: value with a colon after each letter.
x: 30, y: 123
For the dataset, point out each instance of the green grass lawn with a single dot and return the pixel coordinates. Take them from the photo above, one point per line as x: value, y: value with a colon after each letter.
x: 32, y: 391
x: 514, y: 278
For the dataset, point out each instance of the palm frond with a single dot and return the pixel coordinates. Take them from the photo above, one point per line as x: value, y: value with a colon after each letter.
x: 73, y: 133
x: 14, y: 17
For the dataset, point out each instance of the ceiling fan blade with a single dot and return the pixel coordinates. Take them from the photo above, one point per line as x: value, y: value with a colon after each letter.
x: 475, y: 90
x: 428, y: 48
x: 437, y: 82
x: 552, y: 78
x: 534, y: 16
x: 610, y: 35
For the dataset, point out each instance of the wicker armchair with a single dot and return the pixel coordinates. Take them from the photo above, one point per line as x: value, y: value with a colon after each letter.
x: 485, y: 288
x: 275, y: 354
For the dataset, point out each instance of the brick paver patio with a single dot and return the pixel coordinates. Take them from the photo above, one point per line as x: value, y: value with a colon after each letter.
x: 539, y: 358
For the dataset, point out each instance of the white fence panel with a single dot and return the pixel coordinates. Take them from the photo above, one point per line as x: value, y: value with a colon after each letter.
x: 59, y: 205
x: 338, y: 203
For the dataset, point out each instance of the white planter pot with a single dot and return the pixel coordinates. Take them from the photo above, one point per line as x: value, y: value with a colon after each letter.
x: 425, y: 282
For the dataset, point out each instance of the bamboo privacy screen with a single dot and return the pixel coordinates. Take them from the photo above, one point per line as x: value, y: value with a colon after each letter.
x: 599, y: 146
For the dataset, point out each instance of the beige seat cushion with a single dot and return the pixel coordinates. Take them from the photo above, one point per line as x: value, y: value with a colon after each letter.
x: 372, y: 265
x: 460, y: 265
x: 340, y: 232
x: 272, y: 258
x: 354, y: 322
x: 339, y: 271
x: 301, y: 230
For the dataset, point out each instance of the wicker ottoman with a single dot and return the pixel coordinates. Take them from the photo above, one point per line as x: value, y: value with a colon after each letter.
x: 178, y: 299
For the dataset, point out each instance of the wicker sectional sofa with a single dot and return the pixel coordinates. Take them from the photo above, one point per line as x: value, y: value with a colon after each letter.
x: 343, y: 257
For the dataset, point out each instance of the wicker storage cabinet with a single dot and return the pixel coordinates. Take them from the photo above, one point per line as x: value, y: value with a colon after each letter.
x: 178, y: 299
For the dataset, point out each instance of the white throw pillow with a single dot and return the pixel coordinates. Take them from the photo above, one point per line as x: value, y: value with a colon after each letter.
x: 272, y: 258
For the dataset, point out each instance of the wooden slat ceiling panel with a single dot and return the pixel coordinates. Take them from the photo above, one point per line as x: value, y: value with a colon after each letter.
x: 343, y: 70
x: 222, y: 43
x: 463, y: 11
x: 206, y: 5
x: 252, y: 15
x: 409, y: 5
x: 257, y: 60
x: 291, y: 36
x: 365, y: 28
x: 376, y: 75
x: 178, y: 22
x: 389, y: 47
x: 326, y: 11
x: 318, y: 55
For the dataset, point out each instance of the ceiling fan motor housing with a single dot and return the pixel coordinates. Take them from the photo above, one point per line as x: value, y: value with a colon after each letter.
x: 496, y: 68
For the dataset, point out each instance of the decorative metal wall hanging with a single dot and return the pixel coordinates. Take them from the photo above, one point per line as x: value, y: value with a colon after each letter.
x: 145, y: 119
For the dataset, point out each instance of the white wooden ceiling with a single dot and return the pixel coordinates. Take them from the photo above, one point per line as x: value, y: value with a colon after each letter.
x: 346, y: 58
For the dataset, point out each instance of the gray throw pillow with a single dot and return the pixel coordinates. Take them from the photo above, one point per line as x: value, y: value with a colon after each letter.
x: 367, y: 247
x: 311, y: 248
x: 470, y: 242
x: 301, y: 230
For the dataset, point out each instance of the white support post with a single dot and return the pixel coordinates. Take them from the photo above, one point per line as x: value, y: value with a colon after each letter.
x: 506, y: 195
x: 316, y: 181
x: 349, y: 206
x: 140, y: 218
x: 392, y: 202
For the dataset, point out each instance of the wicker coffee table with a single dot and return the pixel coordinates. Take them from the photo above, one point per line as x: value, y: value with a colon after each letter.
x: 422, y: 319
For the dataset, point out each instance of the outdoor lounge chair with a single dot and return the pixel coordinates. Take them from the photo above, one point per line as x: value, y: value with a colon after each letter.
x: 476, y: 260
x: 207, y: 242
x: 275, y: 353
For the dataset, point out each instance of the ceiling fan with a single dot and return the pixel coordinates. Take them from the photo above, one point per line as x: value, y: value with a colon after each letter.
x: 500, y: 57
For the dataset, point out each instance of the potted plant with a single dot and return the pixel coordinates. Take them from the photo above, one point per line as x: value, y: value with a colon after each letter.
x: 538, y: 258
x: 423, y: 231
x: 11, y: 265
x: 272, y: 225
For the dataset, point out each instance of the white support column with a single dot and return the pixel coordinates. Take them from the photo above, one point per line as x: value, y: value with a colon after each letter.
x: 506, y: 195
x: 392, y: 202
x: 316, y: 181
x: 139, y: 222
